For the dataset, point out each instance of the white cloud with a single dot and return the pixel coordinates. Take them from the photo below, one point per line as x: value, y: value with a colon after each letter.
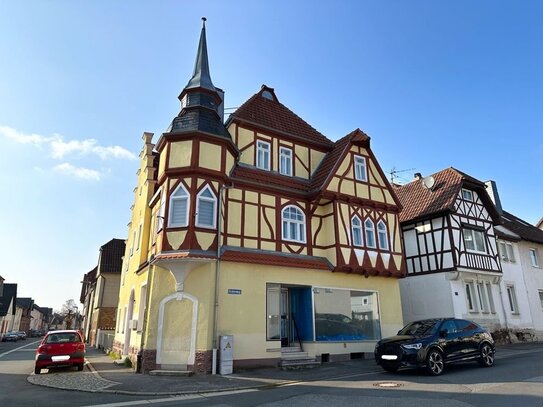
x: 17, y: 136
x: 61, y: 149
x: 78, y: 172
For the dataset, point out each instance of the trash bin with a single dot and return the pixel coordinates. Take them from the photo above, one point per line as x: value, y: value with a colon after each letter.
x: 226, y: 355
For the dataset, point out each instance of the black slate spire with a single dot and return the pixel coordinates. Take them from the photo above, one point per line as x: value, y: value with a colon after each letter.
x: 201, y: 77
x: 201, y: 101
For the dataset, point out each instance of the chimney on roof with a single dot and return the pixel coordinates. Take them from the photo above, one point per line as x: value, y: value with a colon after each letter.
x: 492, y: 191
x: 418, y: 176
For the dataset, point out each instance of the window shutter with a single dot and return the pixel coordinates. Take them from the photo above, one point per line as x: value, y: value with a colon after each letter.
x: 206, y: 213
x: 179, y: 211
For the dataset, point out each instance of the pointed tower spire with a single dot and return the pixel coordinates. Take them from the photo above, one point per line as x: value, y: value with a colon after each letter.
x: 201, y: 77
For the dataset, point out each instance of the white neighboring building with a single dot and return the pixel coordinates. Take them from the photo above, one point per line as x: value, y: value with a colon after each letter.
x: 521, y: 251
x: 453, y: 266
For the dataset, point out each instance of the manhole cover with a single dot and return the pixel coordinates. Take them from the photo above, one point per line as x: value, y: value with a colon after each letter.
x: 387, y: 385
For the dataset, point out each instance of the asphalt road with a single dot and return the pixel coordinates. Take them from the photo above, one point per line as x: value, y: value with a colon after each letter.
x: 516, y: 379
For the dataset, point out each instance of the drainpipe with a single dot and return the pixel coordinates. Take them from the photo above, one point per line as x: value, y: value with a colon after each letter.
x: 217, y: 274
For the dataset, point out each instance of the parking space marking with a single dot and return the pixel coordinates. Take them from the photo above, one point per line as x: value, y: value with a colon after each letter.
x: 19, y: 348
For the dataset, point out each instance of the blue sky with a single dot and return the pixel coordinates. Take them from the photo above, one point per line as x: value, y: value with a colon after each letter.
x: 435, y: 84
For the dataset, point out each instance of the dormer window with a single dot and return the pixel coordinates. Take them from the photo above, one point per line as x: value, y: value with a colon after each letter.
x: 179, y: 207
x: 467, y: 195
x: 205, y: 208
x: 263, y: 155
x: 285, y: 161
x: 267, y: 95
x: 360, y: 170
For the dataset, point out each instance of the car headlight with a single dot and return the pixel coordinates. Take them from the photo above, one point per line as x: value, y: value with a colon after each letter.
x: 415, y: 346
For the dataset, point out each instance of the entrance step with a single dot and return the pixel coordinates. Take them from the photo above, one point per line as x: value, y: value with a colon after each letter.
x: 181, y: 373
x: 294, y: 355
x: 293, y: 358
x: 297, y: 364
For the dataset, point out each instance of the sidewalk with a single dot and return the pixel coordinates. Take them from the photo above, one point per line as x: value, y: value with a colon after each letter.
x: 102, y: 375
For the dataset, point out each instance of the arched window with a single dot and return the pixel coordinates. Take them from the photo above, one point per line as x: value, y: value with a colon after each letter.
x: 179, y: 207
x: 356, y: 226
x: 206, y: 204
x: 293, y: 224
x: 382, y: 235
x: 370, y: 233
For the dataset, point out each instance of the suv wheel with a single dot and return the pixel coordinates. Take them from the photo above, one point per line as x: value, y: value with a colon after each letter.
x: 37, y: 370
x: 434, y: 362
x: 486, y: 356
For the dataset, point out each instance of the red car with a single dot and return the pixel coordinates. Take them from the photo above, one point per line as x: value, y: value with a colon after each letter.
x: 60, y: 348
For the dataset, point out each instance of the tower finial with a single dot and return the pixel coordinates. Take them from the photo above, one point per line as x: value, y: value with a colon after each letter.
x: 204, y: 21
x: 201, y: 77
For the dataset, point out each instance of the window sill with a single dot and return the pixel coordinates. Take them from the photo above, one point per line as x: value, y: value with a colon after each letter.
x: 294, y: 241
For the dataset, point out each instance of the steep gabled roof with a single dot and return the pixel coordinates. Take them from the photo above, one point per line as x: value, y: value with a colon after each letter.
x: 420, y: 202
x: 88, y: 279
x: 268, y: 113
x: 10, y: 293
x: 523, y: 229
x: 330, y: 161
x: 540, y: 224
x: 111, y: 256
x: 25, y: 303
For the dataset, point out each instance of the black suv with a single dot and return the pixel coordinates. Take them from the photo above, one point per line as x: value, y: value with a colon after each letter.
x: 432, y: 343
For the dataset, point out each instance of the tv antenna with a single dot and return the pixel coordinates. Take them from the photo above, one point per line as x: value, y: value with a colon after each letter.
x: 394, y: 173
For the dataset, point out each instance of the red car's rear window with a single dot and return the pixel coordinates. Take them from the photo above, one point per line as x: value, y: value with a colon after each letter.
x: 63, y: 338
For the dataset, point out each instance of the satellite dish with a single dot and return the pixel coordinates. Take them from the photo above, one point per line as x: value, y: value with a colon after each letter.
x: 428, y: 182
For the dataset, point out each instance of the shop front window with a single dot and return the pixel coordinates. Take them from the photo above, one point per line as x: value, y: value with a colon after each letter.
x: 345, y: 315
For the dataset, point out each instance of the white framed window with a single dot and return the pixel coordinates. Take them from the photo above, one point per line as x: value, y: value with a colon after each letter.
x: 490, y: 297
x: 534, y: 257
x: 481, y: 297
x: 179, y: 207
x: 293, y: 220
x: 382, y: 235
x: 506, y: 252
x: 356, y: 227
x: 206, y: 208
x: 360, y: 169
x: 512, y: 296
x: 541, y: 298
x: 474, y: 240
x: 285, y: 161
x: 467, y: 194
x: 369, y: 227
x: 470, y: 298
x: 263, y: 155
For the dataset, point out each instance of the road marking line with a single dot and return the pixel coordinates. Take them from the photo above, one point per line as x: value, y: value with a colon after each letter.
x: 19, y: 348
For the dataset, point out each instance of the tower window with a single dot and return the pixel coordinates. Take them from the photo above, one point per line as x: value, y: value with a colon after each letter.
x: 179, y: 207
x: 205, y: 208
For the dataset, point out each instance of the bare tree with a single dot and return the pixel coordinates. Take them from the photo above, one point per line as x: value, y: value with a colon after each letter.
x: 69, y: 311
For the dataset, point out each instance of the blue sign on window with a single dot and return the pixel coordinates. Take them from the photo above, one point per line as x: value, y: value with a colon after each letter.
x: 234, y: 291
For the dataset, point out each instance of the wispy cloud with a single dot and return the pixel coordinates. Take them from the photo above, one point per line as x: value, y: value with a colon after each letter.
x: 78, y: 172
x: 61, y: 148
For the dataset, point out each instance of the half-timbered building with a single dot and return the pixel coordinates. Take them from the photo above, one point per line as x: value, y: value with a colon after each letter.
x: 259, y: 227
x: 452, y: 260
